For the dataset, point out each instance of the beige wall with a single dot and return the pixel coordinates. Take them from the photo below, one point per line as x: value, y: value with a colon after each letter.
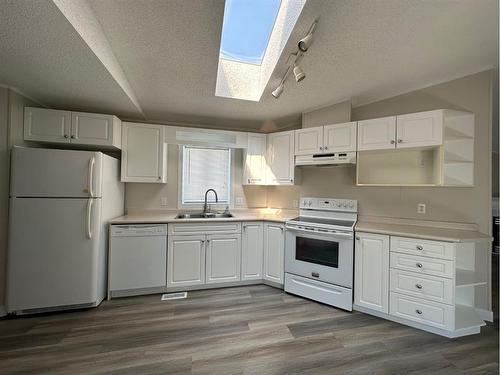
x: 333, y: 114
x: 472, y: 93
x: 147, y: 196
x: 4, y: 185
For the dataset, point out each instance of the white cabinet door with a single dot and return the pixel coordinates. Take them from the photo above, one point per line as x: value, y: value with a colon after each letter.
x: 252, y: 251
x: 223, y: 258
x: 309, y: 141
x: 47, y: 125
x: 377, y: 134
x: 420, y: 129
x: 281, y: 158
x: 95, y: 129
x: 185, y: 261
x: 143, y: 153
x: 371, y: 271
x: 274, y: 252
x: 340, y: 137
x: 254, y: 170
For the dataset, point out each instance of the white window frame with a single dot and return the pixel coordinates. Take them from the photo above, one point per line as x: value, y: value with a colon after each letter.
x: 199, y: 206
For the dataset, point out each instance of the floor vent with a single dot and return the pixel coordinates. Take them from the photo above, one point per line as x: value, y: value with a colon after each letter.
x: 171, y: 296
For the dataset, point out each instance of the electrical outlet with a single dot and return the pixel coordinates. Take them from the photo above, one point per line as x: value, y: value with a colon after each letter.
x: 421, y: 208
x: 295, y: 203
x: 239, y: 201
x: 163, y: 201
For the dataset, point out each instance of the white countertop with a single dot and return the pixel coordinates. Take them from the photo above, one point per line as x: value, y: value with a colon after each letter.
x: 435, y: 233
x: 156, y: 217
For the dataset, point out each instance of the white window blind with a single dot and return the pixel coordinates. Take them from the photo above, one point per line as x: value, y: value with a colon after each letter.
x: 205, y: 168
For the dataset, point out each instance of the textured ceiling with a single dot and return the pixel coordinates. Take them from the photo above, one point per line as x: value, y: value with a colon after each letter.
x: 167, y: 52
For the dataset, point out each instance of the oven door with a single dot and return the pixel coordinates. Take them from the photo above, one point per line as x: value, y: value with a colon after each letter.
x: 320, y: 255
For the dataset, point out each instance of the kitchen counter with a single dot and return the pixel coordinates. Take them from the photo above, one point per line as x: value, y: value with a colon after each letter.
x: 438, y: 231
x: 154, y: 217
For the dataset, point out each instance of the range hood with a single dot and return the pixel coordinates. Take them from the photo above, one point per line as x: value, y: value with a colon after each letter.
x: 336, y: 158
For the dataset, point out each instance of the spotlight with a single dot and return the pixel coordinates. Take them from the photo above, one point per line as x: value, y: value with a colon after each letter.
x: 298, y: 73
x: 306, y: 41
x: 277, y: 92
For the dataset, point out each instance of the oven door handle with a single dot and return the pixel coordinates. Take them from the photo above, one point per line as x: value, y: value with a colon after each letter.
x: 326, y: 232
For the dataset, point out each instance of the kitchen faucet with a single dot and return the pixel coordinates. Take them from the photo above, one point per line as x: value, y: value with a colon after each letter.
x: 205, y: 206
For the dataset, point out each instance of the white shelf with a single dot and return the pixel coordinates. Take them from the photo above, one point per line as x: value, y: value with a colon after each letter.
x: 466, y: 316
x: 451, y: 134
x: 466, y: 278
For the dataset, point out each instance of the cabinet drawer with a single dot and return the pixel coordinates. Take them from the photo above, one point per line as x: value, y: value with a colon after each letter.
x: 433, y: 288
x: 435, y: 249
x: 204, y: 228
x: 428, y: 266
x: 425, y: 312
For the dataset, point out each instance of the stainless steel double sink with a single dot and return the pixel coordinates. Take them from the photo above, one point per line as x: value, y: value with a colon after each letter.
x: 208, y: 215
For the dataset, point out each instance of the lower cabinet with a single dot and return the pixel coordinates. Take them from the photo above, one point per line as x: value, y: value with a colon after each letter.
x: 371, y: 271
x: 252, y: 251
x: 186, y: 260
x: 274, y: 252
x: 223, y: 258
x: 212, y: 253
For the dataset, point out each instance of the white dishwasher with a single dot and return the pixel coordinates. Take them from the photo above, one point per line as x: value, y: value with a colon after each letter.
x: 137, y: 259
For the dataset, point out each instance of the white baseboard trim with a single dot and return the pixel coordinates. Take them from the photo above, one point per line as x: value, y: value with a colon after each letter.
x: 3, y: 311
x: 485, y: 314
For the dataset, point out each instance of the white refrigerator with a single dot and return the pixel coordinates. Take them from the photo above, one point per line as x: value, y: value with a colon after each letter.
x: 60, y: 203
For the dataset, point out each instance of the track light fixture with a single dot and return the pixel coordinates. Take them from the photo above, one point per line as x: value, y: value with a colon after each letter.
x: 277, y: 92
x: 306, y: 41
x: 299, y: 74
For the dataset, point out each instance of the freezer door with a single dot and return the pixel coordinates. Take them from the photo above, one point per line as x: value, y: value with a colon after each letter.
x: 53, y: 253
x: 39, y: 172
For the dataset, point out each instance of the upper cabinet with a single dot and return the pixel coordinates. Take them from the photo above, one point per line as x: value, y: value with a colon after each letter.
x: 280, y: 156
x: 47, y: 125
x: 420, y: 129
x: 309, y: 141
x: 339, y: 137
x: 433, y: 148
x: 143, y: 153
x: 254, y: 169
x: 377, y: 134
x: 95, y: 129
x: 326, y: 139
x: 78, y: 128
x: 423, y: 129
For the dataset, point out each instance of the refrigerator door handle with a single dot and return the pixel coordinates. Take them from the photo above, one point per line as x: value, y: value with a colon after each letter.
x: 91, y: 176
x: 89, y: 219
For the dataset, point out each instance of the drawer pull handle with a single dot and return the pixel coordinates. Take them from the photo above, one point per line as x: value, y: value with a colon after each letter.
x: 420, y: 247
x: 419, y: 312
x: 418, y: 286
x: 419, y: 265
x: 315, y: 274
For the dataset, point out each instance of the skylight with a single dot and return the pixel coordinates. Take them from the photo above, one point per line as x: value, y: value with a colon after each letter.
x: 254, y: 34
x: 246, y: 30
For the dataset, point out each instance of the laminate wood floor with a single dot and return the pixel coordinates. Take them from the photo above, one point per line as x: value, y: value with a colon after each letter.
x: 244, y: 330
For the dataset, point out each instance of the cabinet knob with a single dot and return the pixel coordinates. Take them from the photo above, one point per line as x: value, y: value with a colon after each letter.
x: 419, y: 265
x: 321, y: 148
x: 65, y: 136
x: 420, y: 247
x: 326, y: 148
x: 418, y: 286
x: 248, y: 180
x: 73, y: 137
x: 392, y: 141
x: 419, y: 312
x: 291, y: 180
x: 159, y: 177
x: 357, y: 238
x: 400, y: 141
